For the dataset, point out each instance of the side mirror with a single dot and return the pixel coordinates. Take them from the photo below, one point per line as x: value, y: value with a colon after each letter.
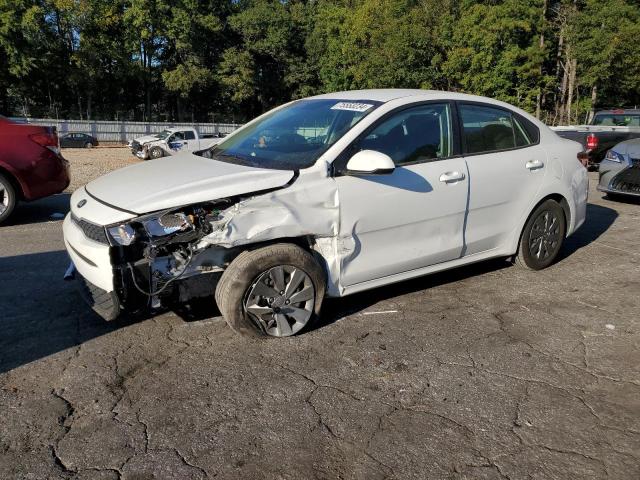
x: 370, y: 162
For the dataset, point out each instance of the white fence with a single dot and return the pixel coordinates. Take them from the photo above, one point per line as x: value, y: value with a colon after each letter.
x: 122, y: 132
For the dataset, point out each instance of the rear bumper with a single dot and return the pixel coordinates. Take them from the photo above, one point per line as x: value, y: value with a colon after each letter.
x: 48, y: 176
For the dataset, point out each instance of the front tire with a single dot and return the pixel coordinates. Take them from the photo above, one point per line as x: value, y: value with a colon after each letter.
x: 88, y: 145
x: 274, y: 291
x: 156, y: 152
x: 8, y: 198
x: 542, y: 237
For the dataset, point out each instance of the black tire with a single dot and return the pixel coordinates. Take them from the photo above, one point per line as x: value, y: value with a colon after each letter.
x: 237, y: 280
x: 8, y: 198
x: 88, y: 145
x: 156, y: 152
x: 105, y: 304
x: 538, y: 247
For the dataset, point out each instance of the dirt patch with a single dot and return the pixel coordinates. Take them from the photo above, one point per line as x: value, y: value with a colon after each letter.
x: 88, y: 164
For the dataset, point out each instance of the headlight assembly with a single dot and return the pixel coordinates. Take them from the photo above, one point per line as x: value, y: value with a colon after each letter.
x: 614, y: 157
x: 160, y: 227
x: 122, y: 234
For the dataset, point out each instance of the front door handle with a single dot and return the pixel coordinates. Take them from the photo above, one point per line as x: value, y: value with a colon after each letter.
x: 534, y: 164
x: 451, y: 177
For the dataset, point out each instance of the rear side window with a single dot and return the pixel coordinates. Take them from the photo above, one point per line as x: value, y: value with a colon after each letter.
x: 488, y: 129
x: 189, y: 135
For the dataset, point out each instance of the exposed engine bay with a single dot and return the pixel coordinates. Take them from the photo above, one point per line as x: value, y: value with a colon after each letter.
x: 160, y: 257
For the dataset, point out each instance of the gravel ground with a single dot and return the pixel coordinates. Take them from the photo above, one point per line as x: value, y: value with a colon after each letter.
x: 87, y: 164
x: 483, y: 372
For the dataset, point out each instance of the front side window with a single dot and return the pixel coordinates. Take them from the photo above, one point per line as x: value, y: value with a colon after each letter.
x: 487, y: 129
x: 413, y: 135
x: 292, y: 137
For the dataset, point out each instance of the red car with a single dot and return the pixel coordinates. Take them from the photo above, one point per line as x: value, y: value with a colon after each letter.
x: 31, y: 166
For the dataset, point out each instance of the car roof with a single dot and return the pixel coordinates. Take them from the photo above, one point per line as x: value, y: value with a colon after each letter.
x: 388, y: 94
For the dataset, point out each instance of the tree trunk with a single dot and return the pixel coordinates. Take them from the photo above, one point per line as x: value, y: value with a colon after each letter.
x: 572, y: 82
x: 542, y: 27
x: 89, y: 104
x: 594, y: 98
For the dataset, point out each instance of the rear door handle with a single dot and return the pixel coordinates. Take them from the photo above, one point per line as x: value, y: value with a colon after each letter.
x: 451, y: 177
x: 534, y: 164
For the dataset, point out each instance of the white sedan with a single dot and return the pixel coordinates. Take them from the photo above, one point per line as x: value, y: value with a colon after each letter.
x: 327, y: 196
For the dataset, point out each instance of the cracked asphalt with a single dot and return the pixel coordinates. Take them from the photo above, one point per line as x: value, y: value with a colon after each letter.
x: 484, y: 372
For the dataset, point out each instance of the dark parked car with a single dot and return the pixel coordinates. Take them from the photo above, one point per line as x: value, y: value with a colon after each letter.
x: 78, y: 140
x: 31, y: 166
x: 607, y: 128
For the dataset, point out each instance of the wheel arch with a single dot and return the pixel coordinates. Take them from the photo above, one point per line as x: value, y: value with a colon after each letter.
x: 557, y: 197
x: 15, y: 183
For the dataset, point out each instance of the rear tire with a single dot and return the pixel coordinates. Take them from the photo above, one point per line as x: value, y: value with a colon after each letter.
x: 542, y: 237
x: 249, y: 299
x: 8, y: 198
x: 88, y: 145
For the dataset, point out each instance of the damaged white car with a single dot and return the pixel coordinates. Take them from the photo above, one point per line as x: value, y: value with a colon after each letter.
x: 328, y: 195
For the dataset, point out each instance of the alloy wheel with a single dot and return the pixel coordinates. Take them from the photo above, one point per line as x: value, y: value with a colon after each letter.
x: 281, y: 300
x: 4, y: 199
x: 544, y: 238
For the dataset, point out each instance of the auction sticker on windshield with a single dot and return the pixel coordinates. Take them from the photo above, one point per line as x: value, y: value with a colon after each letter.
x: 352, y: 107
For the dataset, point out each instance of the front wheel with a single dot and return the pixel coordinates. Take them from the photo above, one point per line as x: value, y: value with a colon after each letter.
x: 156, y: 152
x: 7, y: 198
x: 542, y: 236
x: 88, y: 145
x: 274, y: 291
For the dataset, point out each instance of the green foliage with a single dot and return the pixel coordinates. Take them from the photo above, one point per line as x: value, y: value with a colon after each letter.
x: 178, y: 59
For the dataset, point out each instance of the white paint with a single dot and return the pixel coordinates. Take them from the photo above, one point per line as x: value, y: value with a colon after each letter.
x: 609, y: 326
x: 369, y: 230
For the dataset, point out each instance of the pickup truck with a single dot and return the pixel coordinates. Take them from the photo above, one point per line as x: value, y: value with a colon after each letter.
x: 607, y: 128
x: 171, y: 141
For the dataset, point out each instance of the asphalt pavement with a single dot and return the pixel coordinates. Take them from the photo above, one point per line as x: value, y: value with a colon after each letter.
x: 483, y: 372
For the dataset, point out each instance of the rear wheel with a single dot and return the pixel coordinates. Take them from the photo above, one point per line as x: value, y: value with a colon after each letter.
x: 7, y: 198
x: 542, y: 236
x: 274, y: 291
x: 88, y: 145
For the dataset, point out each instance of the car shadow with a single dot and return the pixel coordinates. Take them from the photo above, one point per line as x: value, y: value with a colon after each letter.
x: 599, y: 219
x: 46, y: 209
x: 622, y: 199
x: 41, y: 314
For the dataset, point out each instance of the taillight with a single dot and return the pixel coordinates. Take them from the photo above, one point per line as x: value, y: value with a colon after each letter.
x: 48, y: 139
x: 592, y: 141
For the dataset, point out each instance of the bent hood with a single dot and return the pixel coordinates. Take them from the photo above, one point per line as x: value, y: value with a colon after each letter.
x: 146, y: 139
x: 181, y: 180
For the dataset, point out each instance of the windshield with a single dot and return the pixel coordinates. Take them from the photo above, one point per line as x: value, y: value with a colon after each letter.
x: 617, y: 120
x: 163, y: 134
x: 293, y: 137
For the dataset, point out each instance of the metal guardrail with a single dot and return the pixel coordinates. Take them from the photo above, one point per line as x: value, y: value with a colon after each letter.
x: 122, y: 132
